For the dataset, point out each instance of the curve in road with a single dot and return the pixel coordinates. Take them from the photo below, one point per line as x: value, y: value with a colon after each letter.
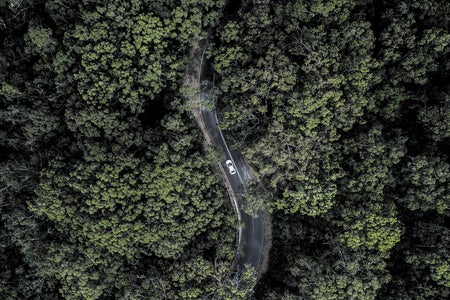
x: 251, y: 236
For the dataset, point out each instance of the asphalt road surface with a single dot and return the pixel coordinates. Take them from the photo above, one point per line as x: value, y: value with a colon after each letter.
x: 252, y: 234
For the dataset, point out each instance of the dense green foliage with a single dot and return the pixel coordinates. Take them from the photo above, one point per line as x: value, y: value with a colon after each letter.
x: 106, y: 191
x: 341, y: 108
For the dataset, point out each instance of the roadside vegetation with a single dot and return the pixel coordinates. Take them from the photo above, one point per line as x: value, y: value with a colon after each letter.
x: 342, y: 109
x: 105, y: 190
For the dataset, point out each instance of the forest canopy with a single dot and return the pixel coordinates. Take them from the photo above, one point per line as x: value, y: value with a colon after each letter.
x: 106, y: 191
x: 340, y: 107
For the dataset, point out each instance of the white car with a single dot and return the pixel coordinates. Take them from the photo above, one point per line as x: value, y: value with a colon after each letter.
x: 230, y: 167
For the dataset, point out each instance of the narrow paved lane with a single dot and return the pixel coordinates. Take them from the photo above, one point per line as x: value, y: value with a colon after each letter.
x: 252, y: 234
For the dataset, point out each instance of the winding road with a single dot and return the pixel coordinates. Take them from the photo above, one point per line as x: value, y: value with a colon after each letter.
x: 251, y: 235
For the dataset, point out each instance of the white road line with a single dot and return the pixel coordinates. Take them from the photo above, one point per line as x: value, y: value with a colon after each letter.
x: 228, y: 150
x: 234, y: 199
x: 237, y: 171
x: 200, y: 74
